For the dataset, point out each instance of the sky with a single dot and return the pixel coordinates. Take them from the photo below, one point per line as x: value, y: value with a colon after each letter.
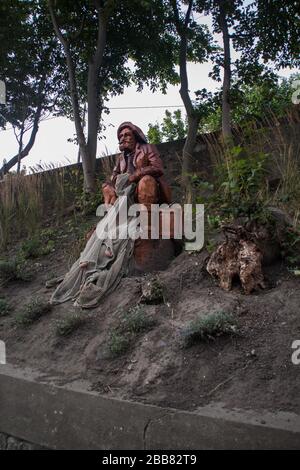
x: 52, y: 146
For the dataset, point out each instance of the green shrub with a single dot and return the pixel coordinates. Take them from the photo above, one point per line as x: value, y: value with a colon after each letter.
x: 242, y: 182
x: 135, y: 320
x: 4, y: 307
x: 31, y: 248
x: 14, y: 270
x: 290, y: 246
x: 33, y: 311
x: 8, y: 270
x: 152, y: 291
x: 208, y: 327
x: 36, y: 247
x: 68, y: 325
x: 117, y: 344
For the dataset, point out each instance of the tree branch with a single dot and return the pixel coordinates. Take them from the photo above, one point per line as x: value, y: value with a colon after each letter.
x: 93, y: 78
x: 14, y: 160
x: 182, y: 32
x: 71, y: 73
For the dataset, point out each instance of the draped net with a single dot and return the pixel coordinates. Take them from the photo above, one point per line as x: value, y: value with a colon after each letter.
x: 87, y: 286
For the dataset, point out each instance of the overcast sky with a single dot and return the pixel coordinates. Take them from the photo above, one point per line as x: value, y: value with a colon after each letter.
x: 52, y: 146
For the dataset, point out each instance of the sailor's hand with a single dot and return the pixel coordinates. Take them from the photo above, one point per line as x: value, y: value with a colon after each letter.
x: 135, y: 177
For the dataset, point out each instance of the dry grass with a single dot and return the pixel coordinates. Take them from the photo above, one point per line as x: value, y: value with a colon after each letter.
x: 27, y: 200
x: 107, y: 164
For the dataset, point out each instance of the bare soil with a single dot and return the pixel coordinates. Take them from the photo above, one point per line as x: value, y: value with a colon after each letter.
x: 251, y: 369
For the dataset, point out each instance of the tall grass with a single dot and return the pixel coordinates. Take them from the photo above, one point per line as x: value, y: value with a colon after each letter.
x: 26, y: 201
x: 107, y: 164
x: 20, y: 206
x: 278, y: 140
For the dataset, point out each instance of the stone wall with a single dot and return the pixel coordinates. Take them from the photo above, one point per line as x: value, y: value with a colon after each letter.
x: 273, y: 137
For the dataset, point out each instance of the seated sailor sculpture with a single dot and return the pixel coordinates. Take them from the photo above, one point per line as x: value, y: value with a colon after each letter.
x: 138, y: 175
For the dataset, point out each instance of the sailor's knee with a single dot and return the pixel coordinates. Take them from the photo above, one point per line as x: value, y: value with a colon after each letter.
x: 147, y: 190
x: 148, y: 181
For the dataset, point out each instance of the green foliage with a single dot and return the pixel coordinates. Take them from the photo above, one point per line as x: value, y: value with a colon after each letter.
x: 117, y: 344
x: 8, y: 270
x: 173, y: 127
x: 4, y: 307
x: 241, y: 182
x: 14, y: 270
x: 135, y: 321
x: 84, y: 202
x: 31, y: 248
x: 209, y: 326
x: 210, y: 246
x: 259, y: 100
x: 39, y: 245
x: 34, y: 248
x: 33, y: 311
x: 270, y: 32
x: 268, y: 96
x: 69, y: 324
x: 153, y: 291
x: 131, y: 323
x: 88, y: 202
x: 291, y: 247
x: 28, y: 71
x: 214, y: 221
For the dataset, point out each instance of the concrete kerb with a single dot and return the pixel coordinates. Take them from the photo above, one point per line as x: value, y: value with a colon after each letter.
x: 63, y: 418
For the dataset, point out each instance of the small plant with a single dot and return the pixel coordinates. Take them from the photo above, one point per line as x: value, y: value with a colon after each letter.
x: 32, y: 312
x: 135, y: 320
x: 14, y: 270
x: 152, y: 291
x: 214, y: 221
x: 36, y: 247
x: 242, y: 182
x: 117, y: 344
x: 68, y: 325
x: 31, y: 248
x: 8, y: 270
x: 290, y: 246
x: 4, y: 307
x: 208, y: 327
x: 210, y: 246
x: 88, y: 202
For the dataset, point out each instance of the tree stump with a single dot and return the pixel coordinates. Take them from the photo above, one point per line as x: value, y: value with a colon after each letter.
x: 238, y: 257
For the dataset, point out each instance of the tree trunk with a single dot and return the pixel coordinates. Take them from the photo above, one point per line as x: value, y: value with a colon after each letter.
x: 20, y: 148
x: 94, y: 113
x: 20, y: 155
x: 87, y: 148
x: 193, y: 119
x: 189, y: 145
x: 226, y: 108
x: 83, y: 126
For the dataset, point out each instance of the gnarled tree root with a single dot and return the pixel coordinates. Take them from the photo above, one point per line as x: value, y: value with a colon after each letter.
x: 237, y: 257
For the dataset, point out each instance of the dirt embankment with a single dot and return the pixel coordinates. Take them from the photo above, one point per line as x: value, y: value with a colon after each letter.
x: 249, y: 369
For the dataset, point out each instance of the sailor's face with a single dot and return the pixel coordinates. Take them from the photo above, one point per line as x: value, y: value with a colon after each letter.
x: 127, y: 140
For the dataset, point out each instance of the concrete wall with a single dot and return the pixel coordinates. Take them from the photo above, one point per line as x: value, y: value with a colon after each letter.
x: 63, y: 418
x: 11, y: 443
